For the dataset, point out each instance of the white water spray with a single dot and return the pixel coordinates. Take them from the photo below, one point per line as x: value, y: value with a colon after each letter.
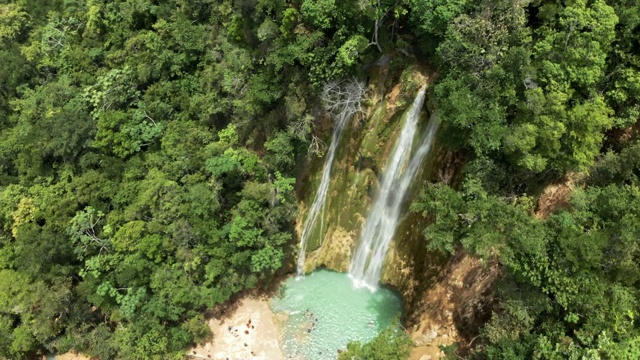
x: 317, y: 207
x: 380, y: 226
x: 343, y: 100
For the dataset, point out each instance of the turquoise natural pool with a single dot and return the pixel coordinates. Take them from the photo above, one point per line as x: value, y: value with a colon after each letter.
x: 342, y: 312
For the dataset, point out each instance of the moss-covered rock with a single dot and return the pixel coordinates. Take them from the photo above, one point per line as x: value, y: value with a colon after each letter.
x: 359, y: 163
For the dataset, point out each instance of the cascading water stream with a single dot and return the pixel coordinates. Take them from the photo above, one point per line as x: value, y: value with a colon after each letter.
x: 317, y: 207
x: 381, y: 224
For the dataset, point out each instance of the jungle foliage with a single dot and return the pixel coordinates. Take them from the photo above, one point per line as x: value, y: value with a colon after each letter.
x: 391, y: 344
x: 531, y: 91
x: 148, y: 153
x: 147, y: 159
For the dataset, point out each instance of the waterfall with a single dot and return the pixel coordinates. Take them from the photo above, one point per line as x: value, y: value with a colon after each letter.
x: 317, y: 207
x: 380, y: 226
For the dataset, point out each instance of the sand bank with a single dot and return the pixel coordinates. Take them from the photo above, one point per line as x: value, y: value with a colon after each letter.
x: 233, y: 339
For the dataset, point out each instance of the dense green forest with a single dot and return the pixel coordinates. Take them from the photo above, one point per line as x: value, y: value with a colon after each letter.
x: 149, y: 152
x: 532, y: 91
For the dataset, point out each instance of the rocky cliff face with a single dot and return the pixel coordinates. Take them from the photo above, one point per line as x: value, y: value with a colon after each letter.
x: 360, y: 160
x: 444, y: 297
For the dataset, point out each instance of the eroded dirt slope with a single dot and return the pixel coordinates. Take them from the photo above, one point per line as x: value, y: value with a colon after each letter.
x: 453, y: 307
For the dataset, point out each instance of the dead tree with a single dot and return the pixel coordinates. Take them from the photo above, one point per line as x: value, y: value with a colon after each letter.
x: 341, y: 99
x: 344, y: 97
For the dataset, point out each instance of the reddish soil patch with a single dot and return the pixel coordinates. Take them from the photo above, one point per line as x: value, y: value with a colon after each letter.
x: 392, y: 98
x: 555, y: 196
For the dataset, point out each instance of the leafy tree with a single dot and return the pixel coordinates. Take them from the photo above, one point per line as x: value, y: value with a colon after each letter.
x: 148, y: 152
x: 391, y: 343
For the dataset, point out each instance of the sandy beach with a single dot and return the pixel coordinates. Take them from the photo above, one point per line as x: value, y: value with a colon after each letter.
x: 246, y: 332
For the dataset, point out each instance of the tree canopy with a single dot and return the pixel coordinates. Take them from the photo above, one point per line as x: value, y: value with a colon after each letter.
x: 148, y: 155
x: 531, y: 91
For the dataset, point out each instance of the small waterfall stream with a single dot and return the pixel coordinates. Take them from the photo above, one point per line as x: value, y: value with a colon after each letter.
x: 317, y: 207
x: 384, y: 216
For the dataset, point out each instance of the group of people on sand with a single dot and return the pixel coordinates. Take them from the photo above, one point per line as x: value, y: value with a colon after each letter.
x: 234, y: 332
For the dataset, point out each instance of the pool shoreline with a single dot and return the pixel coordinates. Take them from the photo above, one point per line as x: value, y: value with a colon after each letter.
x: 248, y: 331
x: 325, y: 311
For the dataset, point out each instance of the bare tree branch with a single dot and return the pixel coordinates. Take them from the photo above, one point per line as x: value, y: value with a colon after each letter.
x: 317, y: 147
x: 344, y: 97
